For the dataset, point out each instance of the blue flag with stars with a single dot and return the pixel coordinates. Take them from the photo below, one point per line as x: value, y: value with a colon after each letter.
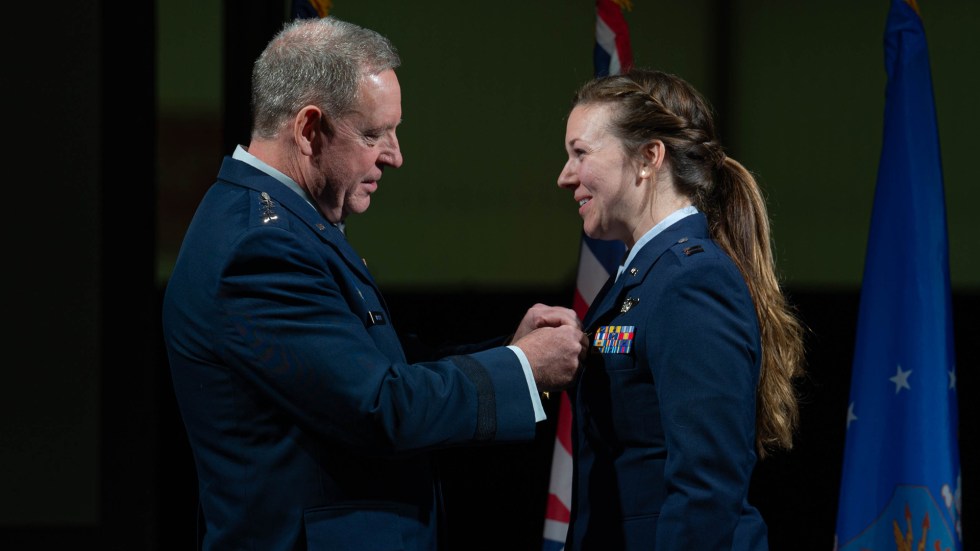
x: 900, y: 485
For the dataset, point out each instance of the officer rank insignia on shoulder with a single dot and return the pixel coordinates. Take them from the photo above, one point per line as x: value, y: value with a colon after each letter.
x: 614, y: 339
x: 688, y: 251
x: 268, y: 208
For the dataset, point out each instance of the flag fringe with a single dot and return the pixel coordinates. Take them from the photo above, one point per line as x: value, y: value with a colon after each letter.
x: 322, y: 7
x: 628, y: 4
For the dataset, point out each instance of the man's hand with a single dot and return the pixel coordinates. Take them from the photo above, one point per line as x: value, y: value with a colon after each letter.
x: 555, y: 354
x: 542, y: 315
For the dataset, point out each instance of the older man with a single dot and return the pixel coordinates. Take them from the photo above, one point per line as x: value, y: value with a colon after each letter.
x: 308, y: 425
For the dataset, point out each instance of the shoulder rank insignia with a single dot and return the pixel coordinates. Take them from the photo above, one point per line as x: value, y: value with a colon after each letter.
x: 268, y: 208
x: 614, y: 339
x: 627, y: 304
x: 693, y: 249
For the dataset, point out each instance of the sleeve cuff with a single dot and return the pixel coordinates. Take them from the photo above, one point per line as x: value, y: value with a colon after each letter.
x: 532, y: 387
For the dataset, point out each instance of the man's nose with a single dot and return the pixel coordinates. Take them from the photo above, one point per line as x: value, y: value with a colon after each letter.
x: 393, y: 156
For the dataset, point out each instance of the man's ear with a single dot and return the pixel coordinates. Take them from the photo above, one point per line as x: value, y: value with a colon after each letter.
x: 308, y: 129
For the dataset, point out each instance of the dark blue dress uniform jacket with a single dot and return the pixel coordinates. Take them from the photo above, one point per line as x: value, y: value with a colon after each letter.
x: 664, y: 435
x: 309, y: 429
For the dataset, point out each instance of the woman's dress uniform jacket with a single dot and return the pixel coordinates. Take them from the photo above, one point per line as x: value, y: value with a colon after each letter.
x: 664, y: 423
x: 308, y: 426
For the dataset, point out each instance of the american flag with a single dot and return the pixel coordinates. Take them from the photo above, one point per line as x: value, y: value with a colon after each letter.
x: 597, y: 261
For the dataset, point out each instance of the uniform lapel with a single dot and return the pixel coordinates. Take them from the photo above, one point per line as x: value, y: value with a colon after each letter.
x: 610, y: 298
x: 603, y: 301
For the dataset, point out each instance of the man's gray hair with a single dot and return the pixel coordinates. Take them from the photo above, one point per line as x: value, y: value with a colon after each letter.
x: 318, y: 61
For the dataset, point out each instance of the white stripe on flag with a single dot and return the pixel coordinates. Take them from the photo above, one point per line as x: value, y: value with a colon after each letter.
x: 561, y: 473
x: 555, y: 530
x: 592, y: 275
x: 606, y: 38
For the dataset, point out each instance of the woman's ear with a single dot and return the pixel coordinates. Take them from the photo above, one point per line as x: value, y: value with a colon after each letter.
x: 655, y: 153
x: 652, y: 155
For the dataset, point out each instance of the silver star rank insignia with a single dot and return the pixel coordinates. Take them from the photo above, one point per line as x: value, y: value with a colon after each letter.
x: 268, y: 208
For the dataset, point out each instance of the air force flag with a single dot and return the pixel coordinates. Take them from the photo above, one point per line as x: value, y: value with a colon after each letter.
x: 900, y: 485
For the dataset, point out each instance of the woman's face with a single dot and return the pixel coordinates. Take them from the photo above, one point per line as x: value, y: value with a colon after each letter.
x: 603, y: 181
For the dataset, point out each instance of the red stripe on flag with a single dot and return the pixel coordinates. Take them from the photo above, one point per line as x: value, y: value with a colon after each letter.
x: 579, y: 305
x: 557, y: 510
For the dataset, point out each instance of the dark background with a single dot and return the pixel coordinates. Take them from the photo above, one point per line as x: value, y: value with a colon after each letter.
x: 91, y: 447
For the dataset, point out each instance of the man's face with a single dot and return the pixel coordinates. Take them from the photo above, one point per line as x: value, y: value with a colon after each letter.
x: 361, y: 145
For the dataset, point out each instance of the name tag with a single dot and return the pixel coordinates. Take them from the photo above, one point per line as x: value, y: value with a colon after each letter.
x: 614, y: 339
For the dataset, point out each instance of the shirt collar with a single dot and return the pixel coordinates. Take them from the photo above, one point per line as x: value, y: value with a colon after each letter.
x: 242, y: 154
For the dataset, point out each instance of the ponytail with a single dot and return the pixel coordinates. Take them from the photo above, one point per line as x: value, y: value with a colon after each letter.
x: 740, y: 225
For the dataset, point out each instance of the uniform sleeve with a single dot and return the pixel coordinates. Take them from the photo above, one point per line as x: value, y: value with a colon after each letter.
x: 290, y: 331
x: 705, y: 361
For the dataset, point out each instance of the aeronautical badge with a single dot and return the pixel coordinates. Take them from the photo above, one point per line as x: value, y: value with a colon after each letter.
x: 627, y: 304
x: 268, y: 208
x: 614, y: 339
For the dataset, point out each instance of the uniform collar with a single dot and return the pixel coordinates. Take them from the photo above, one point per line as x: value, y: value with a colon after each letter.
x: 242, y: 154
x: 654, y: 231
